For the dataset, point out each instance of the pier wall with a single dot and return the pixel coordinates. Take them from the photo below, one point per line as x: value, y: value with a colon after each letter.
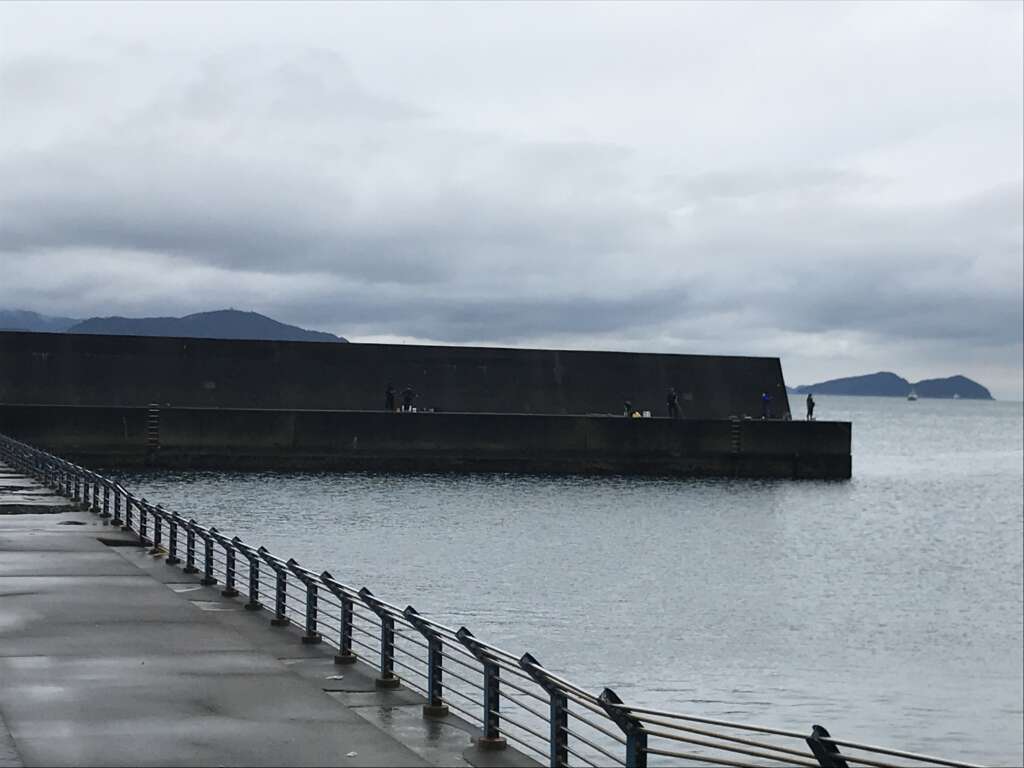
x: 81, y: 369
x: 379, y: 441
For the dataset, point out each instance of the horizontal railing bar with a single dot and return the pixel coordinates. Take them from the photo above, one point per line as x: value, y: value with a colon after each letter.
x: 411, y: 639
x: 611, y: 734
x: 738, y: 750
x: 545, y: 716
x: 517, y: 671
x: 524, y: 743
x: 467, y: 681
x: 897, y: 753
x: 450, y: 689
x: 506, y: 719
x: 370, y: 648
x: 737, y: 739
x: 590, y: 744
x: 368, y: 633
x: 474, y: 667
x: 584, y: 703
x: 534, y: 694
x: 576, y: 754
x: 726, y: 723
x: 404, y: 652
x: 394, y: 657
x: 415, y: 671
x: 473, y: 718
x: 701, y: 758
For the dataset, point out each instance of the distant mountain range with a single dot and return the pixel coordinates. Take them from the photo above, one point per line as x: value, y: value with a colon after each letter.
x: 219, y: 324
x: 886, y: 384
x: 23, y: 320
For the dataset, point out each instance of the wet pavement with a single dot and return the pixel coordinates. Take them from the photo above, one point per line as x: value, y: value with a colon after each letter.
x: 109, y: 657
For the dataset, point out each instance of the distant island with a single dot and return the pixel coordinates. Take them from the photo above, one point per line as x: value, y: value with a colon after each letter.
x: 219, y: 324
x: 887, y: 384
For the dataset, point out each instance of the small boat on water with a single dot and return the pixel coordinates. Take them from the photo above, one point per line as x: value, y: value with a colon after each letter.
x: 912, y: 395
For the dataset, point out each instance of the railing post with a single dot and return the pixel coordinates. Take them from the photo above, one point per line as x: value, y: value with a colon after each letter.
x: 172, y: 540
x: 190, y: 547
x: 158, y: 529
x: 558, y: 740
x: 826, y: 753
x: 116, y: 520
x: 435, y: 706
x: 128, y: 499
x: 345, y: 654
x: 254, y: 573
x: 106, y: 501
x: 636, y: 736
x: 95, y: 494
x: 280, y: 589
x: 143, y: 530
x: 78, y: 487
x: 208, y: 579
x: 229, y: 566
x: 492, y: 738
x: 388, y: 678
x: 312, y: 637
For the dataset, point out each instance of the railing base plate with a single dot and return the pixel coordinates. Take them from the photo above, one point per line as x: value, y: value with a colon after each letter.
x: 491, y: 744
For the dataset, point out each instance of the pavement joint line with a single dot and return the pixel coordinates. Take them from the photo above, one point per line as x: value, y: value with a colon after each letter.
x: 371, y: 744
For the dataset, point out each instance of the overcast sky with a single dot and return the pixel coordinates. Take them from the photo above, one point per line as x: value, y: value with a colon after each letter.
x: 839, y: 185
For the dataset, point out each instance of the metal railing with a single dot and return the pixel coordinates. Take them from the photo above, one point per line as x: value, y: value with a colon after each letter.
x: 511, y: 699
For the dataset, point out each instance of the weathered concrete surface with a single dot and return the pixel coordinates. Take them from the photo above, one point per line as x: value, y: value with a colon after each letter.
x: 231, y: 438
x: 109, y: 657
x: 80, y: 369
x: 19, y: 495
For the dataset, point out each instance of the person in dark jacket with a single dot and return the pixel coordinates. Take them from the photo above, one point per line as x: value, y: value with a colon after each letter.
x: 389, y: 398
x: 810, y: 407
x: 408, y: 395
x: 766, y: 405
x: 672, y: 401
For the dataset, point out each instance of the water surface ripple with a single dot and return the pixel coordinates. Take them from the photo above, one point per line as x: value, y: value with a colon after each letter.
x: 887, y: 608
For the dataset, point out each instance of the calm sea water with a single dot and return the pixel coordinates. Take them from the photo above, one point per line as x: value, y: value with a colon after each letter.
x: 887, y: 608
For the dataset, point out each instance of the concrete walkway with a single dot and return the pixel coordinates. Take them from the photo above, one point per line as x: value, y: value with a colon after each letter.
x: 109, y: 657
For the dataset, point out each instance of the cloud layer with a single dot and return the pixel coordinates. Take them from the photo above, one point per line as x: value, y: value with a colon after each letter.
x: 842, y: 186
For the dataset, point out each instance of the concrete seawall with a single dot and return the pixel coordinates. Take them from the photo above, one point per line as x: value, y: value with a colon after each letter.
x: 226, y: 438
x: 76, y: 369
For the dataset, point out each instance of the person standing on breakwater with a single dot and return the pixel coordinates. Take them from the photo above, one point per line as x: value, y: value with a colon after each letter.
x: 766, y: 405
x: 408, y: 395
x: 810, y: 407
x: 672, y: 401
x: 389, y: 398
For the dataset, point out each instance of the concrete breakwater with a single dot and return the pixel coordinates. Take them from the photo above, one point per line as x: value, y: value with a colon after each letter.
x: 208, y: 403
x: 81, y: 369
x: 232, y: 438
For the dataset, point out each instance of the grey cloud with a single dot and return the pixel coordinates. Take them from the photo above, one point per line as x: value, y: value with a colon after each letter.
x: 265, y: 168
